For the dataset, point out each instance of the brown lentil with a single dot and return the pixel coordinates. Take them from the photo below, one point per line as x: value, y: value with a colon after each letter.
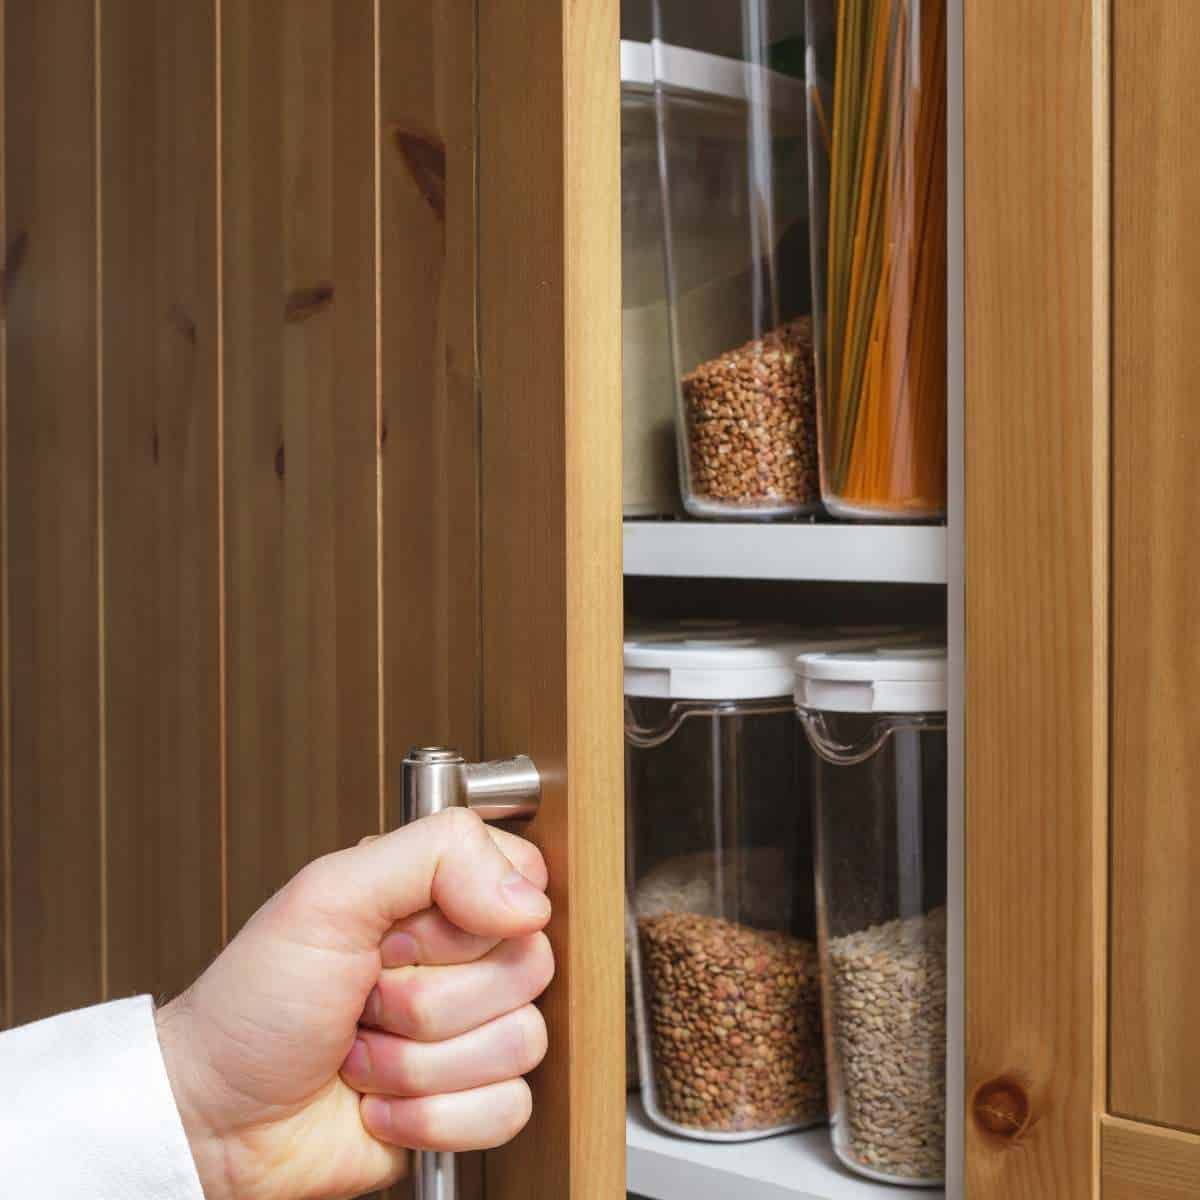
x: 734, y: 1024
x: 888, y: 987
x: 751, y: 423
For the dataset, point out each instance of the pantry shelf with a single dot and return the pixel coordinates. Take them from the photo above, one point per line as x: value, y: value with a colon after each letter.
x: 793, y: 1167
x: 837, y: 553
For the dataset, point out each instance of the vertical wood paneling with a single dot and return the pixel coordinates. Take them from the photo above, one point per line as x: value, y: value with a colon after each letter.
x: 161, y: 569
x: 430, y: 385
x: 1155, y: 1071
x: 429, y: 395
x: 52, y: 505
x: 300, y: 435
x: 549, y: 284
x: 1036, y: 430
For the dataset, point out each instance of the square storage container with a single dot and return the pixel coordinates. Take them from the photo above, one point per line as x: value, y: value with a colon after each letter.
x: 876, y: 725
x: 733, y: 171
x: 720, y: 881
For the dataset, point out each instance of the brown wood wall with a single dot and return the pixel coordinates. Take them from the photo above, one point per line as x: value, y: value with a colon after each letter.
x: 239, y: 415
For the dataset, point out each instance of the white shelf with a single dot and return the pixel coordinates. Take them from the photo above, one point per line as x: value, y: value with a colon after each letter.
x: 798, y: 1166
x: 834, y: 552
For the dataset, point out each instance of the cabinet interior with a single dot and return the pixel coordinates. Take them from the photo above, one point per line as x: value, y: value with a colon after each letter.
x: 908, y: 578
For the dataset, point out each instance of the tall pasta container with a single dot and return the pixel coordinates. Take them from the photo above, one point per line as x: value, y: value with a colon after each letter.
x: 733, y: 166
x: 877, y: 176
x: 875, y: 724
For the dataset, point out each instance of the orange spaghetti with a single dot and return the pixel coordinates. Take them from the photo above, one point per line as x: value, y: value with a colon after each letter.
x: 883, y: 383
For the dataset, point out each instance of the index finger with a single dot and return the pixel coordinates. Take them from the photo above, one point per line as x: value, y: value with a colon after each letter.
x: 450, y: 860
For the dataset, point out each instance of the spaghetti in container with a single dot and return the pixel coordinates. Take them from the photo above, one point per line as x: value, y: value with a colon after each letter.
x: 876, y: 74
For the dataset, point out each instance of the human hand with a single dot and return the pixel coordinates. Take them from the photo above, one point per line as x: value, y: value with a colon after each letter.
x: 380, y: 1001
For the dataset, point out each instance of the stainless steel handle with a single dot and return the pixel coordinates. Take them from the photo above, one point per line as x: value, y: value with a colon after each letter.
x: 434, y: 778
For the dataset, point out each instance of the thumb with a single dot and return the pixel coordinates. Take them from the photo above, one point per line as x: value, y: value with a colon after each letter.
x: 448, y: 860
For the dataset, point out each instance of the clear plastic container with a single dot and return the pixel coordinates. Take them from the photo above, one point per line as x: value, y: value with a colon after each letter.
x: 876, y: 725
x: 651, y: 486
x: 877, y: 151
x: 733, y: 165
x: 720, y: 876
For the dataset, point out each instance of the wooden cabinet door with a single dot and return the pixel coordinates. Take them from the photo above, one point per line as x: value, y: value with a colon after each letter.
x: 550, y: 354
x: 1154, y: 1076
x: 310, y: 381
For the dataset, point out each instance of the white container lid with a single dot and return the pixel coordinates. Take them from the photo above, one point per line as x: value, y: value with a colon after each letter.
x: 885, y: 679
x: 696, y: 72
x: 726, y: 660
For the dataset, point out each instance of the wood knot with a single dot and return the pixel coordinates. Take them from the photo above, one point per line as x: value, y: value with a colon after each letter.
x: 303, y: 303
x: 425, y: 158
x: 280, y: 462
x: 154, y: 443
x: 383, y: 432
x: 180, y: 319
x: 1001, y: 1108
x: 14, y: 257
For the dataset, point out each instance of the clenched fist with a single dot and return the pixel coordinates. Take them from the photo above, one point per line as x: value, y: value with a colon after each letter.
x: 380, y: 1002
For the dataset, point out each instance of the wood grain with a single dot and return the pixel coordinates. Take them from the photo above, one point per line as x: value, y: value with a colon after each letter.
x: 1155, y: 1069
x: 550, y: 354
x: 298, y: 114
x: 52, y: 507
x: 430, y: 392
x: 161, y: 512
x: 1036, y: 227
x: 1142, y: 1162
x: 429, y: 397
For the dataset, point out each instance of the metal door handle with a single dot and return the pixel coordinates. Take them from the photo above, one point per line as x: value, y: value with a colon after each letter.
x: 434, y: 778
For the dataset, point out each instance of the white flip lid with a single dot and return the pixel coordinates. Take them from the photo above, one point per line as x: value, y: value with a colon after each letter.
x: 885, y: 679
x: 726, y: 660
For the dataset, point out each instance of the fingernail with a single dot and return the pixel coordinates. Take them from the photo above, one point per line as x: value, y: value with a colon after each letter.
x: 358, y: 1061
x: 377, y: 1115
x: 370, y: 1013
x: 523, y: 896
x: 399, y: 950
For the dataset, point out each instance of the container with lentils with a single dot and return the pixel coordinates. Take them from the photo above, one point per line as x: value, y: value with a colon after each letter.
x: 876, y: 724
x: 748, y: 434
x: 722, y: 923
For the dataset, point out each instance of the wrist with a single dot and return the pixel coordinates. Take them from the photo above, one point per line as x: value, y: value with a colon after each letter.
x: 206, y: 1145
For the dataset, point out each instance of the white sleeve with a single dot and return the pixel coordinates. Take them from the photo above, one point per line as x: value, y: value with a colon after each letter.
x: 86, y: 1110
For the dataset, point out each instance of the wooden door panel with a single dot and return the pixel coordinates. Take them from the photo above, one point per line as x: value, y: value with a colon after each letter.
x: 1144, y: 1162
x: 1155, y: 1070
x: 55, y: 888
x: 1036, y: 499
x: 300, y: 436
x: 550, y: 329
x: 260, y: 532
x: 161, y: 548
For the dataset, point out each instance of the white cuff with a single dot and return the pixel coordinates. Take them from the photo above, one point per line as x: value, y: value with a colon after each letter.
x: 86, y: 1110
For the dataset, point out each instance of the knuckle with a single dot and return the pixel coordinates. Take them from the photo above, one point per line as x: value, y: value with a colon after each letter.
x: 461, y: 824
x: 406, y: 1076
x: 433, y: 1123
x: 312, y: 888
x: 414, y: 1008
